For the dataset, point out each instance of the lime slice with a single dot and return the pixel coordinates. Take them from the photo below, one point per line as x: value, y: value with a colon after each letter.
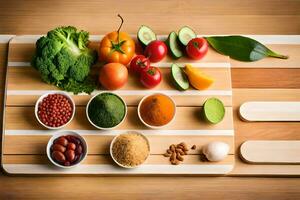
x: 213, y: 110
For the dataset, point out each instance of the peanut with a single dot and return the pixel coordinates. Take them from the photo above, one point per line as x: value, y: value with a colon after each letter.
x: 175, y: 162
x: 173, y: 156
x: 172, y: 147
x: 179, y: 157
x: 169, y: 151
x: 180, y: 152
x: 167, y: 154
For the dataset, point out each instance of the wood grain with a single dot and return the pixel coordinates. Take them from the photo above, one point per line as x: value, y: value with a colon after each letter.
x: 270, y: 111
x: 106, y: 159
x: 3, y: 60
x: 250, y: 17
x: 22, y: 51
x: 265, y: 78
x: 82, y: 100
x: 150, y: 188
x: 271, y: 152
x: 263, y: 130
x: 15, y: 120
x: 206, y: 18
x: 19, y: 75
x: 187, y: 116
x: 97, y: 144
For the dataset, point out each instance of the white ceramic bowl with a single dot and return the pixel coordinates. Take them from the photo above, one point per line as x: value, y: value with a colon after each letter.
x: 102, y: 128
x: 151, y: 126
x: 41, y: 99
x: 111, y: 146
x: 62, y: 133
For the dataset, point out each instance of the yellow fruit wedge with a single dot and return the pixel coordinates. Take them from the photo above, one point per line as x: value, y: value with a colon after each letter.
x: 197, y: 78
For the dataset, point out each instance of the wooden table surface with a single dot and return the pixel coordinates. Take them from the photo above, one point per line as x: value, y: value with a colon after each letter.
x: 206, y: 17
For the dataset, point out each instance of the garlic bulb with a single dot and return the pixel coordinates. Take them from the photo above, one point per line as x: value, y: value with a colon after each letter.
x: 215, y: 151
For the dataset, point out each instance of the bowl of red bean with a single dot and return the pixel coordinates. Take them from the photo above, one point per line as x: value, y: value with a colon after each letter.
x: 66, y: 149
x: 55, y: 110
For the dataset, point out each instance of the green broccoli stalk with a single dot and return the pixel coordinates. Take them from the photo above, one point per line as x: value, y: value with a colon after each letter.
x: 63, y: 59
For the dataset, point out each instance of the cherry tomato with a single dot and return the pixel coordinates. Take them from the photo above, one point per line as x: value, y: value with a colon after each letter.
x: 139, y: 63
x: 151, y: 78
x: 197, y: 48
x: 156, y: 51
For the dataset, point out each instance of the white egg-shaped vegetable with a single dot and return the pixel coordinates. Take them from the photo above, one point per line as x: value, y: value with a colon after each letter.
x: 215, y: 151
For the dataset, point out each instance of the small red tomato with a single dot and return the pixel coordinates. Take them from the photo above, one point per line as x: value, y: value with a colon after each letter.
x: 151, y: 78
x: 139, y: 63
x: 197, y: 48
x: 156, y: 51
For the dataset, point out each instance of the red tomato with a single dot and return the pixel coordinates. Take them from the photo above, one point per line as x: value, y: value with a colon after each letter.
x: 151, y: 78
x: 156, y: 51
x: 113, y: 76
x: 139, y: 63
x: 197, y: 48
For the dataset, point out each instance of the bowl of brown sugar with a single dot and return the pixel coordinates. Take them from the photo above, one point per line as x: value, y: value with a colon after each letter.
x: 130, y: 149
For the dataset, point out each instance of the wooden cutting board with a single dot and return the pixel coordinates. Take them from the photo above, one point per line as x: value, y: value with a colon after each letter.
x: 271, y: 152
x: 24, y: 140
x: 270, y: 111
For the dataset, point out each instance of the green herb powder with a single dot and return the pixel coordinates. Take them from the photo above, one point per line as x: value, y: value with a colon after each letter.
x: 106, y: 110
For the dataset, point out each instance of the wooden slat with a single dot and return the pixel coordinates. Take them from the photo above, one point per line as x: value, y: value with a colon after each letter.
x: 106, y: 159
x: 187, y: 118
x: 270, y: 111
x: 36, y: 144
x: 261, y: 7
x: 17, y: 76
x: 163, y: 23
x: 264, y: 130
x: 131, y: 100
x: 265, y: 78
x: 23, y: 52
x: 271, y: 152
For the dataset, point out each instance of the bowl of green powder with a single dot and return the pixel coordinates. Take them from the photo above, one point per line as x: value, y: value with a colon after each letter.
x: 106, y: 110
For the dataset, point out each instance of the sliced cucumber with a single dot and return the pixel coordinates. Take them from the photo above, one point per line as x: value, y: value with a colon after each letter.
x: 179, y: 78
x: 145, y: 35
x: 174, y: 46
x: 185, y: 34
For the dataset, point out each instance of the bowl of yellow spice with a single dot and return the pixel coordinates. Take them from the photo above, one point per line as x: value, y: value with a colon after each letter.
x: 130, y: 149
x: 156, y: 110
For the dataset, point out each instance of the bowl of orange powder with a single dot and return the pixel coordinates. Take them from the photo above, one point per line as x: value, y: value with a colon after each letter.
x: 156, y: 110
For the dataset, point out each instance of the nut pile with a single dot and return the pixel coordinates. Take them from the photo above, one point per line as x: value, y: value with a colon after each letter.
x: 176, y: 153
x: 67, y: 150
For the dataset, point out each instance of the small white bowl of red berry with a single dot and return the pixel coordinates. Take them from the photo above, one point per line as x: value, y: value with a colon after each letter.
x: 55, y: 110
x: 66, y: 149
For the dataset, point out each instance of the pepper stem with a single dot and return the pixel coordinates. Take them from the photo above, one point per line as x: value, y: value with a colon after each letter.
x: 122, y: 20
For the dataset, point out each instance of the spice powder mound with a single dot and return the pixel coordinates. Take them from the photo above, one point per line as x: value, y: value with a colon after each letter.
x: 130, y: 149
x: 157, y: 110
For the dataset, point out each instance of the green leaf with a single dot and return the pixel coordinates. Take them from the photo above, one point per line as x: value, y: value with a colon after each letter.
x: 241, y: 48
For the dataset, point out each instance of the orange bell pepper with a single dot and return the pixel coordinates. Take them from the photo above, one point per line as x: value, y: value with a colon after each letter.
x: 117, y: 47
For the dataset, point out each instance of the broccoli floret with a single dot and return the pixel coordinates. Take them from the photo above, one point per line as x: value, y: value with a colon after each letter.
x: 63, y: 59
